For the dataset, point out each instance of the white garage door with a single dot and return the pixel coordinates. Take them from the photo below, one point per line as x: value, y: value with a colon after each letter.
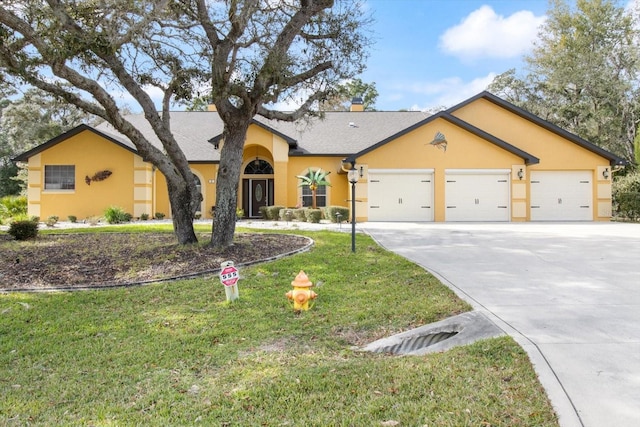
x: 400, y: 195
x: 477, y: 195
x: 561, y: 196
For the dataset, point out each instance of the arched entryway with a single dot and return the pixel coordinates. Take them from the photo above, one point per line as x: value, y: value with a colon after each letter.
x: 257, y: 187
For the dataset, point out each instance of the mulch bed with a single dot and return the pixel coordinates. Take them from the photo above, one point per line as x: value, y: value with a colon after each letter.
x: 74, y: 261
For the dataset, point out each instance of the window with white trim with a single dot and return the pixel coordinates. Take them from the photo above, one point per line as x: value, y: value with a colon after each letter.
x: 321, y: 196
x: 59, y: 177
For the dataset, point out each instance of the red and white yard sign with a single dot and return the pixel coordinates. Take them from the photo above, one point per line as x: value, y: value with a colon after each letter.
x: 229, y: 275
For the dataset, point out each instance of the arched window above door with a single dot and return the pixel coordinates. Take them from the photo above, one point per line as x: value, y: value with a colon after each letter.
x: 258, y: 167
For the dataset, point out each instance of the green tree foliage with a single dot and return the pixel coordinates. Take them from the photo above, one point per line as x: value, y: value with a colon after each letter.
x: 345, y: 92
x: 36, y: 117
x: 583, y: 74
x: 626, y: 195
x: 9, y: 184
x: 29, y: 120
x: 248, y: 54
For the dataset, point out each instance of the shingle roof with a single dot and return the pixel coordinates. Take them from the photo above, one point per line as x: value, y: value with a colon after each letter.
x: 344, y: 133
x: 338, y: 133
x: 192, y: 131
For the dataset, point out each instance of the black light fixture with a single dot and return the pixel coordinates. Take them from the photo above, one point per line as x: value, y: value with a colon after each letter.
x: 353, y: 175
x: 520, y: 174
x: 605, y: 173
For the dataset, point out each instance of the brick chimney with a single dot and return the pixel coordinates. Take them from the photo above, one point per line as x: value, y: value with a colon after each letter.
x: 357, y: 104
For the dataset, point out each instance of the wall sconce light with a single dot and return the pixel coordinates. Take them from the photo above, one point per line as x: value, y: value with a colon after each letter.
x: 605, y: 173
x: 520, y: 174
x: 216, y: 145
x: 361, y: 171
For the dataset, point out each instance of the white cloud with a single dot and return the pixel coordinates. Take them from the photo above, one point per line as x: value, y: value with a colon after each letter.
x: 483, y: 33
x: 450, y: 91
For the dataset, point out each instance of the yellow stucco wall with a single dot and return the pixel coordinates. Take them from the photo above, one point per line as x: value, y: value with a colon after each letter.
x: 554, y: 152
x: 413, y: 151
x: 264, y: 145
x: 206, y: 172
x: 337, y: 193
x: 138, y: 188
x: 89, y: 153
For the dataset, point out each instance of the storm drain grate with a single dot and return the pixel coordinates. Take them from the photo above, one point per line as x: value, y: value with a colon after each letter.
x: 416, y: 343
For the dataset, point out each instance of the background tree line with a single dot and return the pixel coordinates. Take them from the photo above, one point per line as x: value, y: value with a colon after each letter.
x: 583, y: 74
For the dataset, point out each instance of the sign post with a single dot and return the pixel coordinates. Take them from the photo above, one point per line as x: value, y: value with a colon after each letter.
x: 229, y: 278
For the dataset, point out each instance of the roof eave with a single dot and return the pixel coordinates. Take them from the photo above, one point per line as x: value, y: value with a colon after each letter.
x: 613, y: 159
x: 529, y: 159
x: 23, y: 157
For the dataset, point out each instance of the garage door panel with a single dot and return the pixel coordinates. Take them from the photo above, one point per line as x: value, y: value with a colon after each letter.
x: 477, y: 197
x: 400, y: 196
x: 561, y: 196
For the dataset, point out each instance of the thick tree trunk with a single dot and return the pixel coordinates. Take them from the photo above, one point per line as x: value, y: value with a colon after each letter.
x: 182, y: 211
x: 224, y: 219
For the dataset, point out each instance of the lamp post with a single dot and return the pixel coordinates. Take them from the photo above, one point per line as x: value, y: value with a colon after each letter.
x: 352, y: 176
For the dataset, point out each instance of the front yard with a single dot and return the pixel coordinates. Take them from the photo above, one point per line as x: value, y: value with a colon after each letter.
x: 176, y: 353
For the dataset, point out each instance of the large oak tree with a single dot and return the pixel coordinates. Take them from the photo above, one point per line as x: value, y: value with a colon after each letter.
x: 248, y: 55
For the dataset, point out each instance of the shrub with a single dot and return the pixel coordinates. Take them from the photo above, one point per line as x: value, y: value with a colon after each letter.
x: 628, y: 205
x: 286, y: 214
x: 263, y: 211
x: 313, y: 215
x: 116, y: 215
x: 23, y: 230
x: 144, y: 217
x: 72, y: 219
x: 626, y: 196
x: 331, y: 213
x: 159, y: 215
x: 239, y: 213
x: 300, y: 214
x: 52, y: 220
x: 273, y: 212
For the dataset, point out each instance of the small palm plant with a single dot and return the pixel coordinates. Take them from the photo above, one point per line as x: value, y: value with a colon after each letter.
x: 314, y: 180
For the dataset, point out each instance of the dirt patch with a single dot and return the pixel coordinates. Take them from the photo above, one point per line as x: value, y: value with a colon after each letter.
x: 112, y: 259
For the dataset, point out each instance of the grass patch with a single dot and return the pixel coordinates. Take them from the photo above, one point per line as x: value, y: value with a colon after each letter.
x: 178, y: 354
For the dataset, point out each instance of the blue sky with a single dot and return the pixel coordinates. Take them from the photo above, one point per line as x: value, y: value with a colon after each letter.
x: 431, y: 53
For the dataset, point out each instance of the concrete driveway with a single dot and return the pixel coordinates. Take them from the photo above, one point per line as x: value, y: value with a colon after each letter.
x: 569, y: 293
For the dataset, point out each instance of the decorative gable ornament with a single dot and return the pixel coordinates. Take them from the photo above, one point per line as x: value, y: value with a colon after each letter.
x: 98, y: 176
x: 439, y: 141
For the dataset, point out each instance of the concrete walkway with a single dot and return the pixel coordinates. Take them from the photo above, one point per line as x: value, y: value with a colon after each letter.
x: 568, y: 293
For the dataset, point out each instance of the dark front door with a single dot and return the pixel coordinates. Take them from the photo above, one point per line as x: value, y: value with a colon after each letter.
x: 259, y: 196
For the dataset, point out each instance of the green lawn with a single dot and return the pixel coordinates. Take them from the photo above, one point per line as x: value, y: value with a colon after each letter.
x: 177, y: 354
